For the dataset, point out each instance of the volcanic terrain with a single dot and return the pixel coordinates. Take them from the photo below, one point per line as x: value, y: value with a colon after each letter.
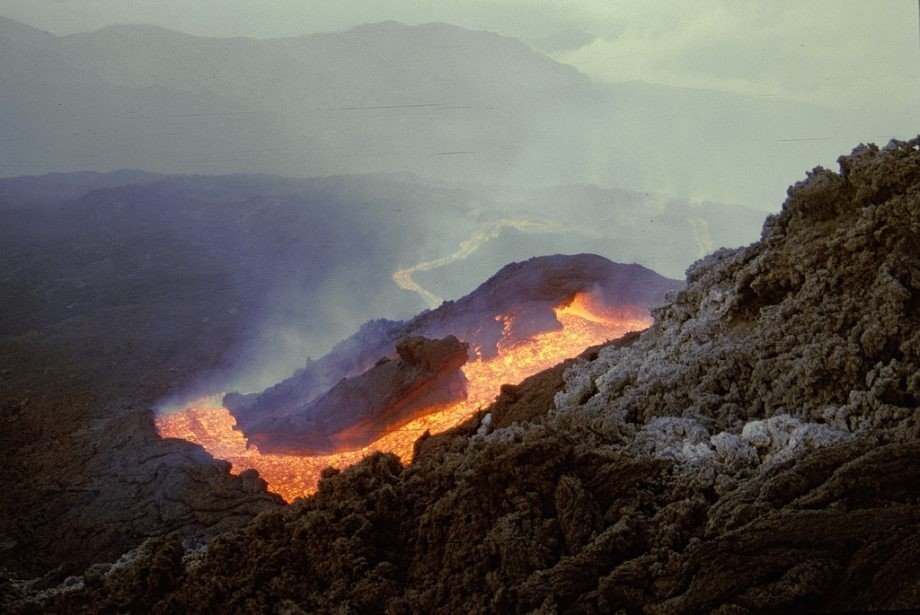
x: 754, y: 450
x: 120, y: 291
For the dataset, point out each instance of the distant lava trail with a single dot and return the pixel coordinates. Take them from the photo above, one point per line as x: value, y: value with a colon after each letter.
x: 483, y: 233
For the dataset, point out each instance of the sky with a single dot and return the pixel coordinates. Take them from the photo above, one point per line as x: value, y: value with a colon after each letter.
x: 845, y: 53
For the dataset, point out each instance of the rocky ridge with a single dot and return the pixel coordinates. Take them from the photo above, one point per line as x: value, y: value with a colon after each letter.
x: 753, y: 451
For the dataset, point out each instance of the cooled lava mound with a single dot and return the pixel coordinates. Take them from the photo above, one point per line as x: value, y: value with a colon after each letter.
x: 426, y: 373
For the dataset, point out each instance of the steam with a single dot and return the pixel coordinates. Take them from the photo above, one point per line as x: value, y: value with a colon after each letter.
x: 702, y: 235
x: 484, y: 233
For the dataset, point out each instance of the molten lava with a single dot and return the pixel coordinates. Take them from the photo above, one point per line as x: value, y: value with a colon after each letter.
x: 585, y: 322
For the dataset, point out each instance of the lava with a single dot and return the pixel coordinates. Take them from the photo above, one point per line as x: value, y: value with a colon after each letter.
x: 585, y: 322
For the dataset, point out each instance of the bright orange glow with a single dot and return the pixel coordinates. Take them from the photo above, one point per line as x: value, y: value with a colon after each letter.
x: 585, y: 322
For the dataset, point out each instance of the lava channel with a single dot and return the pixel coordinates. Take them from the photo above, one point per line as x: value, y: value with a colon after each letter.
x: 585, y: 322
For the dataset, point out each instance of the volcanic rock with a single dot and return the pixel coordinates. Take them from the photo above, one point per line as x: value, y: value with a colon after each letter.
x: 530, y: 290
x: 123, y: 484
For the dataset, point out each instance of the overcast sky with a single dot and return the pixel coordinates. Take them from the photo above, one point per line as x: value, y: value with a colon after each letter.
x: 841, y: 52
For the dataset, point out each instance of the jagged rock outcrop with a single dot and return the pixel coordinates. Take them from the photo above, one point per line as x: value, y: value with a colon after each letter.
x: 754, y: 451
x: 818, y: 320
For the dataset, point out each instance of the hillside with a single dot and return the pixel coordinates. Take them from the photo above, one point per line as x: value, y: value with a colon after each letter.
x: 753, y: 451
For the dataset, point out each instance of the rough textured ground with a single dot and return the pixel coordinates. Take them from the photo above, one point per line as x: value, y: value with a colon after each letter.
x: 85, y: 475
x: 117, y: 298
x: 754, y: 451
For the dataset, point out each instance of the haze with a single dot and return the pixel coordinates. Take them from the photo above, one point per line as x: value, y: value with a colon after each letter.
x: 843, y: 53
x: 648, y: 134
x: 782, y: 85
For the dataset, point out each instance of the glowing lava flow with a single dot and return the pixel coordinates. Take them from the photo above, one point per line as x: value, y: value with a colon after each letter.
x: 584, y: 323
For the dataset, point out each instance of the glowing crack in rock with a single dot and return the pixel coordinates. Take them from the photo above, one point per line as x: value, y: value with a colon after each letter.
x: 585, y: 322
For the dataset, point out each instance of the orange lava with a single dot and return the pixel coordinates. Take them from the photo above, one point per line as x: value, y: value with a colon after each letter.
x: 585, y: 323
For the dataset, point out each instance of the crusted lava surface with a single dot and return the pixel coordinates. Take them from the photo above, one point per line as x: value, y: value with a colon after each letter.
x: 356, y: 410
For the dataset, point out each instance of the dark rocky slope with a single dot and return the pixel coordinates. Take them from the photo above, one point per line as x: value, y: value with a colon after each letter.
x: 754, y: 451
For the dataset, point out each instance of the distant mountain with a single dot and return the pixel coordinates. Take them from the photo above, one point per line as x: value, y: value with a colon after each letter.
x: 377, y: 98
x: 379, y: 65
x: 436, y: 100
x: 31, y: 190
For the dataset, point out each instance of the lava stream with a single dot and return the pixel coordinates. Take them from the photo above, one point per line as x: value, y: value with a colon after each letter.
x: 584, y: 321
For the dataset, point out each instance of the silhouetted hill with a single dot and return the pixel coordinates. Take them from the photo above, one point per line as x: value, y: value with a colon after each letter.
x: 29, y: 190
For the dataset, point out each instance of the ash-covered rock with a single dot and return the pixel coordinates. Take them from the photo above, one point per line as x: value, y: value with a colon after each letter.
x: 817, y: 321
x: 754, y: 451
